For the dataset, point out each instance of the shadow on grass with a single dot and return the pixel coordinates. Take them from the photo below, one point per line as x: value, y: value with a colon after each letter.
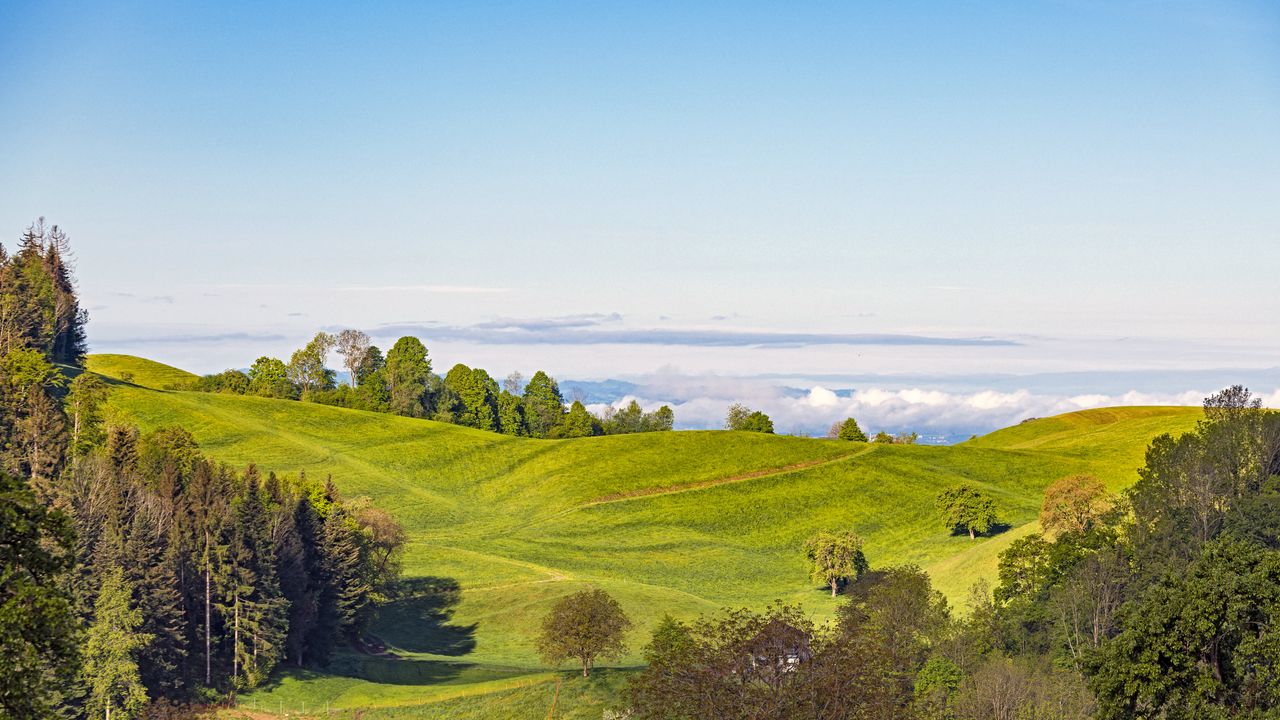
x: 418, y: 620
x: 993, y: 531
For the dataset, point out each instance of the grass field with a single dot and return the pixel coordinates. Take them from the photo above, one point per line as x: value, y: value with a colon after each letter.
x: 680, y: 523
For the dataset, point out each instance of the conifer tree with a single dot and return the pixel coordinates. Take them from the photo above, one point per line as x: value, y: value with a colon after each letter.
x: 111, y: 650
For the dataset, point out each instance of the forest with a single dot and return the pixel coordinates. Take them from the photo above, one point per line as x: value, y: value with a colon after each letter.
x: 138, y: 574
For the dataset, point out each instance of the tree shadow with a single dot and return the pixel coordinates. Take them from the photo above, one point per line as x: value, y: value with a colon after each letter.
x: 996, y: 529
x: 418, y: 620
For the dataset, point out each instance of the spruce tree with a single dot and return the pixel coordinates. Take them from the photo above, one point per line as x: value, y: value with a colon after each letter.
x: 110, y: 652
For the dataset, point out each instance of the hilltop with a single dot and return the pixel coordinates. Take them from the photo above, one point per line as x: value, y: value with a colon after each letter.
x: 683, y: 523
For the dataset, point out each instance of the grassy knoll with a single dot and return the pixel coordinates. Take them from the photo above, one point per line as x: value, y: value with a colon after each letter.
x: 682, y: 523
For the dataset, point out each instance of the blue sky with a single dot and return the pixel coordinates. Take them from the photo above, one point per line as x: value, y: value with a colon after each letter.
x: 690, y: 189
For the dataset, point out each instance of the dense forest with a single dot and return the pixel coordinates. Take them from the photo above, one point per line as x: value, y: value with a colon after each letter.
x: 402, y: 382
x: 138, y: 574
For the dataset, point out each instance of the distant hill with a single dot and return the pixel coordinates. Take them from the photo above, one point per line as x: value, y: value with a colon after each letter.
x: 680, y: 523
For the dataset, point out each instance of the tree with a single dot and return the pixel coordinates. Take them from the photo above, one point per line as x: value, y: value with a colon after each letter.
x: 407, y: 372
x: 774, y: 665
x: 835, y: 558
x: 965, y: 508
x: 353, y: 346
x: 543, y: 404
x: 511, y: 415
x: 579, y: 423
x: 476, y: 394
x: 587, y: 626
x: 110, y: 652
x: 1072, y: 504
x: 84, y: 406
x: 850, y: 431
x: 1201, y: 642
x: 883, y: 438
x: 269, y: 377
x: 37, y: 622
x: 664, y: 419
x: 743, y: 418
x: 306, y: 367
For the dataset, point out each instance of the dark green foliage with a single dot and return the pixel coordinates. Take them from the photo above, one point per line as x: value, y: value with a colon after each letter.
x: 964, y: 508
x: 543, y: 405
x: 39, y: 309
x: 269, y: 377
x: 84, y: 409
x: 584, y: 626
x: 111, y: 651
x: 230, y: 574
x: 37, y: 622
x: 743, y: 418
x: 406, y: 374
x: 578, y: 423
x: 850, y: 431
x: 475, y: 397
x: 1202, y: 642
x: 232, y: 382
x: 511, y: 416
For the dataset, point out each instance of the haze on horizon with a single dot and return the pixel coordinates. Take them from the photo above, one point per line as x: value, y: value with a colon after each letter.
x: 940, y: 218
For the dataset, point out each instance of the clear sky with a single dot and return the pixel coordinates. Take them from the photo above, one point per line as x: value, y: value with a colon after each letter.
x: 610, y: 189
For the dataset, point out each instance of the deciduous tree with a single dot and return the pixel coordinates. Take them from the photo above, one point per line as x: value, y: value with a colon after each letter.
x: 965, y: 508
x: 1072, y: 504
x: 835, y: 558
x: 585, y: 626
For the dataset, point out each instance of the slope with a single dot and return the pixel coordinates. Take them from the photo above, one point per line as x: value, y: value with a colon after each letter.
x: 679, y: 523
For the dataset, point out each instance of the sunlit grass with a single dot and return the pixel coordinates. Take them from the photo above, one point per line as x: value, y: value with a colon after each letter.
x: 692, y: 521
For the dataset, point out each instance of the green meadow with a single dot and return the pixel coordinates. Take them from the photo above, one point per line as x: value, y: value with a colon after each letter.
x: 679, y: 523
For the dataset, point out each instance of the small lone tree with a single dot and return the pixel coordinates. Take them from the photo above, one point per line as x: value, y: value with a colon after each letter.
x: 835, y: 557
x: 742, y: 418
x: 850, y: 431
x: 585, y: 625
x: 1072, y: 504
x: 964, y: 507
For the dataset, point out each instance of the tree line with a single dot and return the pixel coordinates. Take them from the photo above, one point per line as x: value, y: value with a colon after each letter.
x: 136, y: 571
x: 402, y: 382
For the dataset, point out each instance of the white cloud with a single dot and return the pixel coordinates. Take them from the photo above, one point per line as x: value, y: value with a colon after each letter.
x: 701, y: 402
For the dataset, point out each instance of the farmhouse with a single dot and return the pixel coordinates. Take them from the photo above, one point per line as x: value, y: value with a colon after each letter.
x: 778, y: 648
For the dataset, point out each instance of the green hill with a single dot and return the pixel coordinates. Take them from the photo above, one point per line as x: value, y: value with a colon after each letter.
x: 680, y: 523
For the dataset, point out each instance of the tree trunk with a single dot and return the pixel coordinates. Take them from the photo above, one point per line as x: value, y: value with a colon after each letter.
x: 235, y: 651
x: 971, y: 535
x: 208, y: 614
x: 833, y: 587
x: 586, y: 669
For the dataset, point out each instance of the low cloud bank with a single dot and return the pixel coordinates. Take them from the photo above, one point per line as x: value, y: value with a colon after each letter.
x: 938, y: 415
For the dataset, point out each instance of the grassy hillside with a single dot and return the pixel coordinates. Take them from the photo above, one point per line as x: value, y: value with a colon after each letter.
x: 679, y: 523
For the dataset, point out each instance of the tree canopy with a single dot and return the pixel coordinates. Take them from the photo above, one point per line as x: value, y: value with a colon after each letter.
x: 835, y: 557
x: 964, y: 508
x: 586, y: 626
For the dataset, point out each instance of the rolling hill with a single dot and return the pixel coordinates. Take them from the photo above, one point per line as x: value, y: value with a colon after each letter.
x: 681, y: 523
